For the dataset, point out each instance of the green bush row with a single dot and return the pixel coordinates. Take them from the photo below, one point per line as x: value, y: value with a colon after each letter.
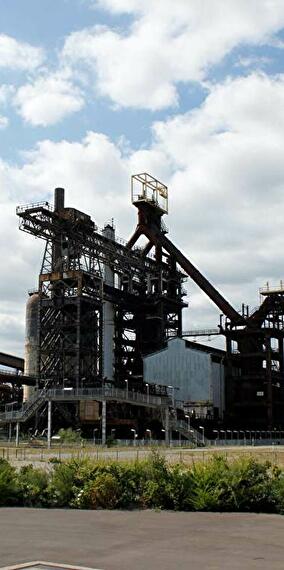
x: 244, y: 485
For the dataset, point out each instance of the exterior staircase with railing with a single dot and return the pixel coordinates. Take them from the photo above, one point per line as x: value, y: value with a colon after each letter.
x: 30, y: 407
x: 27, y: 410
x: 188, y: 432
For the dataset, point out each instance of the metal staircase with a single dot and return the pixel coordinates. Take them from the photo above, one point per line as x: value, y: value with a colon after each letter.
x: 188, y: 432
x: 30, y: 407
x: 27, y: 410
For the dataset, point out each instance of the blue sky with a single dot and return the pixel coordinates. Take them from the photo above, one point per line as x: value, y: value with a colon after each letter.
x: 192, y: 91
x: 47, y: 24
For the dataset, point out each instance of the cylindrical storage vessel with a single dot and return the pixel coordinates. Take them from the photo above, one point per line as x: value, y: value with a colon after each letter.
x: 31, y: 342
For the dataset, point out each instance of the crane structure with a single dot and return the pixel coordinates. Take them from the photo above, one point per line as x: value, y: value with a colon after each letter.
x: 103, y: 305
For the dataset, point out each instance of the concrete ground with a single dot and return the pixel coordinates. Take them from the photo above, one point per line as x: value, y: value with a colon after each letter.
x: 142, y: 540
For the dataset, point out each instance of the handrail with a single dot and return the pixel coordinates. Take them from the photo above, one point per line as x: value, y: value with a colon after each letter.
x: 107, y: 392
x: 80, y: 394
x: 46, y: 205
x: 180, y: 425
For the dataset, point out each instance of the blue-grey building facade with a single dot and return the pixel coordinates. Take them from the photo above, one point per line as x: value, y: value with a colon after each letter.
x: 194, y: 370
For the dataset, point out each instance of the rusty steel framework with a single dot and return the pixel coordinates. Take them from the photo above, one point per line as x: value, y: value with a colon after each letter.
x: 146, y: 295
x: 145, y: 292
x: 255, y: 367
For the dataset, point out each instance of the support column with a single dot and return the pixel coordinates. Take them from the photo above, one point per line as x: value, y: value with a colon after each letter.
x: 10, y: 432
x: 17, y: 433
x: 103, y: 422
x: 167, y: 427
x: 49, y: 408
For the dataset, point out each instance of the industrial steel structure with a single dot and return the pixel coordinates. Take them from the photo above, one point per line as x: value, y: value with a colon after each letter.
x: 102, y: 305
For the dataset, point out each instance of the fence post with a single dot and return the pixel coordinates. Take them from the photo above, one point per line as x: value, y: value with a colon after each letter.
x: 49, y: 424
x: 17, y: 433
x: 167, y: 426
x: 103, y: 422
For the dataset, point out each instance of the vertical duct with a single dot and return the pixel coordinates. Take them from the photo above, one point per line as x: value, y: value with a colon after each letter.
x: 31, y: 342
x: 108, y: 316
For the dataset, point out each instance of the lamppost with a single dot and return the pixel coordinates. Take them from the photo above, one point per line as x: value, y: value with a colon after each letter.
x: 148, y: 431
x: 188, y: 421
x: 216, y: 431
x: 148, y: 394
x: 94, y: 435
x: 164, y: 431
x: 173, y: 395
x: 134, y: 435
x: 10, y: 406
x: 223, y: 431
x: 126, y: 381
x: 238, y: 435
x: 244, y: 436
x: 203, y: 438
x: 249, y: 431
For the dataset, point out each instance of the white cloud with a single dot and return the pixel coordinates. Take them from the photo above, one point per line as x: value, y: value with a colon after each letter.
x: 6, y: 92
x: 4, y: 121
x: 253, y: 62
x: 228, y: 182
x: 224, y: 166
x: 168, y: 43
x: 48, y: 100
x: 19, y: 55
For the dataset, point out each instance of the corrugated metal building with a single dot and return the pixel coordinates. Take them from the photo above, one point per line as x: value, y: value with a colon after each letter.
x: 196, y: 371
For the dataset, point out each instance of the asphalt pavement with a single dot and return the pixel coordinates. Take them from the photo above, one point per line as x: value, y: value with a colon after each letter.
x: 142, y: 540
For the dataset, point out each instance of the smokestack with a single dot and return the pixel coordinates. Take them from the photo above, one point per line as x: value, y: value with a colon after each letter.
x: 58, y: 199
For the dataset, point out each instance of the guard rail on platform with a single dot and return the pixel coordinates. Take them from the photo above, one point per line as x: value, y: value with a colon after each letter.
x: 71, y: 395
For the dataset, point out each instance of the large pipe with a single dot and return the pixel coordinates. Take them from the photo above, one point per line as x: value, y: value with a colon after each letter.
x: 31, y: 342
x: 108, y: 316
x: 159, y: 238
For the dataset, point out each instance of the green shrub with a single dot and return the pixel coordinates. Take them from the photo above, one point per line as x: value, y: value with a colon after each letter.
x: 157, y: 479
x: 248, y: 486
x: 102, y: 492
x: 179, y: 488
x: 132, y: 480
x: 244, y: 485
x: 204, y: 486
x: 60, y: 490
x: 69, y: 436
x: 32, y: 485
x: 8, y: 484
x: 278, y: 490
